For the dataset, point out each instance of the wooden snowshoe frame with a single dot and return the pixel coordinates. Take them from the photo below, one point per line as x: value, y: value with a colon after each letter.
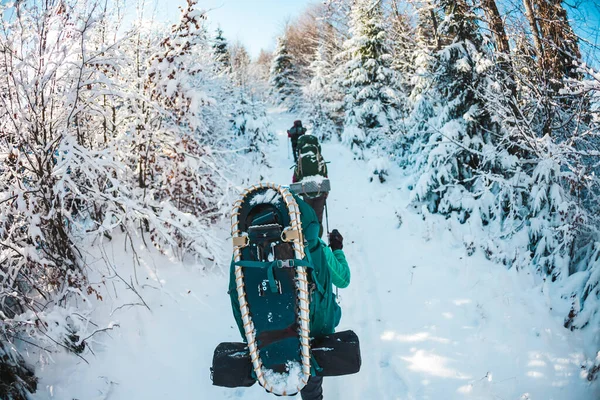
x: 292, y: 234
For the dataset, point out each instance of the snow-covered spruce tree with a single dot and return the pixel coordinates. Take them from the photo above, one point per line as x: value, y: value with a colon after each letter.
x: 460, y: 146
x: 402, y: 44
x: 249, y: 119
x: 285, y: 89
x: 373, y: 103
x: 319, y: 98
x: 180, y: 176
x: 421, y: 100
x: 221, y: 52
x: 252, y: 126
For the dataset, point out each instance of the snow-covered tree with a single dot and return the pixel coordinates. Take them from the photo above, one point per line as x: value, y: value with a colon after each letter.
x: 240, y: 64
x: 180, y: 172
x: 221, y: 52
x: 421, y: 99
x: 319, y: 98
x: 284, y: 85
x: 402, y: 44
x: 249, y: 121
x: 115, y: 135
x: 252, y: 126
x: 459, y: 144
x: 373, y: 103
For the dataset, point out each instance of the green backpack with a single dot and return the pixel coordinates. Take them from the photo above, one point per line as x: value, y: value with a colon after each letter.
x: 310, y: 161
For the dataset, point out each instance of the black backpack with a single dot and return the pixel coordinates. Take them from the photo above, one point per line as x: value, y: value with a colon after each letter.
x: 310, y: 161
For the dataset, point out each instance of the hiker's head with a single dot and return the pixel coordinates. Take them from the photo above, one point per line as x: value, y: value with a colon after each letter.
x: 298, y: 123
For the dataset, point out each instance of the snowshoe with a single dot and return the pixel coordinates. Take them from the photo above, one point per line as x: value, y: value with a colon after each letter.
x: 271, y: 274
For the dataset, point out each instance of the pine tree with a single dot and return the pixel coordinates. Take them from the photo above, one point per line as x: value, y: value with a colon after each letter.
x: 421, y: 99
x: 221, y: 52
x: 402, y: 45
x: 284, y: 85
x: 319, y: 98
x: 373, y: 102
x: 459, y: 145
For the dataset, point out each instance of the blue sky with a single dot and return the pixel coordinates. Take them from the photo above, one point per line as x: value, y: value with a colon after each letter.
x: 255, y: 23
x: 586, y: 17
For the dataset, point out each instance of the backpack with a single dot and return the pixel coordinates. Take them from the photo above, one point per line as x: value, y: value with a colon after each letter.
x: 285, y: 316
x: 269, y: 287
x: 297, y: 132
x: 310, y: 161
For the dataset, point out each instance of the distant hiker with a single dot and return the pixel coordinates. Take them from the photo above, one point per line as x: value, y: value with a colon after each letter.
x: 265, y: 240
x: 311, y: 166
x: 294, y: 133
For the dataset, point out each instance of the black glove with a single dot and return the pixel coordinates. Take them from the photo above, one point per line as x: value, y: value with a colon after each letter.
x: 336, y: 241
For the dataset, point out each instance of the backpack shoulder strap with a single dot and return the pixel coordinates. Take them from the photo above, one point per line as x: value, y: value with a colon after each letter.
x: 320, y: 288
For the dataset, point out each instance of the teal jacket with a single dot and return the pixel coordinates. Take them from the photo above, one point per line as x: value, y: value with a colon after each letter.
x: 330, y: 268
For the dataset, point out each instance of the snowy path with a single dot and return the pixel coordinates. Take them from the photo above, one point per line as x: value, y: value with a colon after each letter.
x: 434, y: 323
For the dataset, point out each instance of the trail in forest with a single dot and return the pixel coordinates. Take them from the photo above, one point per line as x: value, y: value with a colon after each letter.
x: 434, y: 323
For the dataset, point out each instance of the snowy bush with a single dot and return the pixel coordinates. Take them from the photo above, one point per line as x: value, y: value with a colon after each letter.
x: 253, y: 127
x: 117, y: 133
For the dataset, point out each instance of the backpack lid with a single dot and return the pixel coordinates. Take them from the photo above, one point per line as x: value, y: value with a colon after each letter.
x: 308, y: 139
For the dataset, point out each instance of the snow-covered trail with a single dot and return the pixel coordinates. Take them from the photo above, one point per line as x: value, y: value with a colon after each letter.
x: 434, y: 323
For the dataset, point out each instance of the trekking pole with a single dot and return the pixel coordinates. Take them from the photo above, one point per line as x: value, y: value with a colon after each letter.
x: 337, y: 295
x: 326, y: 218
x: 288, y: 147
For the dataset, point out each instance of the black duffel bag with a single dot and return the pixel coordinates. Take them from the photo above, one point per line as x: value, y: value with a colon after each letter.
x: 231, y: 366
x: 334, y: 355
x: 337, y: 354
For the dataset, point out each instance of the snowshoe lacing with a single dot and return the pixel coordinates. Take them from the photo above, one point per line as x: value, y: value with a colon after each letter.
x: 292, y: 234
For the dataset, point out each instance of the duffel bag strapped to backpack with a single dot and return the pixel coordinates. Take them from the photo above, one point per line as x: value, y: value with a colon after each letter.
x: 231, y: 366
x: 337, y: 354
x: 332, y: 355
x: 312, y: 186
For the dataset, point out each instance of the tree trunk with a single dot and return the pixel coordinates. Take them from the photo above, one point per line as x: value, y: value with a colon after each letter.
x: 555, y: 42
x: 496, y: 25
x: 535, y: 32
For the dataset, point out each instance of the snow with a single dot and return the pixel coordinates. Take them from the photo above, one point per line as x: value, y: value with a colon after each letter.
x: 288, y: 382
x: 269, y: 196
x: 313, y: 178
x: 434, y: 323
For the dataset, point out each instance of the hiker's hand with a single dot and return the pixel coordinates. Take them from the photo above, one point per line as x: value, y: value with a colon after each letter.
x: 336, y: 240
x: 289, y: 134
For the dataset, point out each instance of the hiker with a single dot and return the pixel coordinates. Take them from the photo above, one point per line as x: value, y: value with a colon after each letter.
x: 311, y: 166
x: 330, y: 268
x: 294, y: 133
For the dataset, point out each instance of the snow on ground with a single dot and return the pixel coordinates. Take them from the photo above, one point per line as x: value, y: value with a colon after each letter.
x: 434, y: 323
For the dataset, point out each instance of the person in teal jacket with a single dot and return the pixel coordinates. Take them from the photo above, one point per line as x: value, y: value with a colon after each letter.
x: 330, y: 269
